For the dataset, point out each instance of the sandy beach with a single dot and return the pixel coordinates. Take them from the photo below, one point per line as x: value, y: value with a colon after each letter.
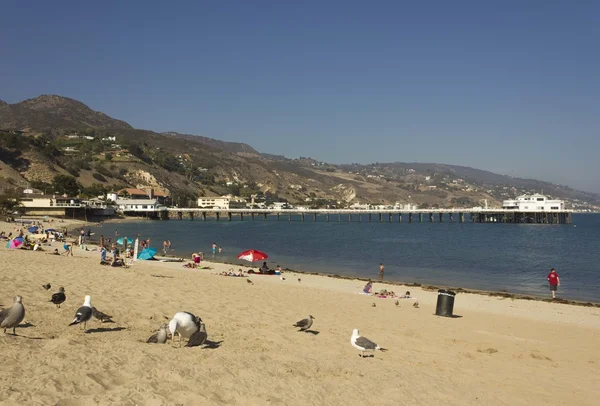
x: 500, y: 351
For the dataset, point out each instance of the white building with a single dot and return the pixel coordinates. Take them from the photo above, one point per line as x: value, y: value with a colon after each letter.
x: 281, y: 205
x: 533, y: 203
x: 223, y: 202
x: 139, y: 205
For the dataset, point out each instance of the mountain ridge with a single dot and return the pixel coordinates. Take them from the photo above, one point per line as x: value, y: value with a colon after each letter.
x: 65, y: 136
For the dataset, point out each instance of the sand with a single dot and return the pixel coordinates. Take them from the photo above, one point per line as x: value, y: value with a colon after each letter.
x: 500, y: 351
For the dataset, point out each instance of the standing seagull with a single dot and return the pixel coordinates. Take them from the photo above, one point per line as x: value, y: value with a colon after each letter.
x: 304, y: 324
x: 103, y: 317
x: 84, y: 313
x: 363, y: 344
x: 185, y: 324
x: 198, y: 338
x: 11, y: 317
x: 47, y: 286
x: 159, y: 337
x: 59, y: 297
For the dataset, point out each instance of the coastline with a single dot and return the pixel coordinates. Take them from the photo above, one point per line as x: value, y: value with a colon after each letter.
x: 430, y: 359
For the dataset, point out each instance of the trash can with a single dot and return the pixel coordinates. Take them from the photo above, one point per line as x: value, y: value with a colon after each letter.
x: 445, y: 303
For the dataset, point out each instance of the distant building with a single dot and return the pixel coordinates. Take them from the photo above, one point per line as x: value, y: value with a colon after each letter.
x: 51, y: 205
x: 134, y: 193
x: 139, y: 206
x: 535, y: 202
x: 223, y: 202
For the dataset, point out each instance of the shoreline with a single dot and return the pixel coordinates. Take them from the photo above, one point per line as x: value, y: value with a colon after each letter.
x: 78, y: 224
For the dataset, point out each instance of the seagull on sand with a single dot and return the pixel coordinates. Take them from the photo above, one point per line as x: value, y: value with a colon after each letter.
x: 84, y: 313
x: 416, y: 304
x: 299, y: 280
x: 160, y: 337
x: 103, y: 317
x: 185, y: 324
x: 11, y: 317
x: 249, y: 281
x: 363, y: 344
x: 59, y: 297
x: 47, y: 286
x: 373, y: 305
x: 397, y: 303
x: 304, y: 324
x: 198, y: 338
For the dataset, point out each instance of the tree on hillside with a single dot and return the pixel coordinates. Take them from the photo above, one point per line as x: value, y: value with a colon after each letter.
x: 65, y: 185
x: 9, y: 201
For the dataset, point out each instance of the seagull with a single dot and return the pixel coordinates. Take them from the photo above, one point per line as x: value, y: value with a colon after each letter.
x: 159, y: 337
x: 198, y: 338
x: 11, y: 317
x: 282, y: 278
x: 47, y: 286
x: 185, y: 324
x: 363, y: 344
x: 299, y: 280
x: 373, y: 305
x: 249, y: 281
x: 59, y: 297
x: 84, y: 313
x: 304, y: 324
x: 397, y: 303
x: 416, y: 304
x: 103, y: 317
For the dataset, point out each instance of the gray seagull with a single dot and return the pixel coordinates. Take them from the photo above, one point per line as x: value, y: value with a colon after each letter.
x: 304, y: 324
x: 11, y: 317
x: 160, y: 337
x: 363, y: 344
x: 198, y: 338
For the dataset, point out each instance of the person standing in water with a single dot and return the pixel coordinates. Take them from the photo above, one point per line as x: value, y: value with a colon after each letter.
x: 220, y: 249
x: 381, y: 268
x: 214, y: 248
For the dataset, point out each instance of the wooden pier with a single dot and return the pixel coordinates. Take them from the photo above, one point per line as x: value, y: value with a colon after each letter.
x: 389, y: 216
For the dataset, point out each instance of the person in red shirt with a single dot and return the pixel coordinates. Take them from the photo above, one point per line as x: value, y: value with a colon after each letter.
x: 554, y: 281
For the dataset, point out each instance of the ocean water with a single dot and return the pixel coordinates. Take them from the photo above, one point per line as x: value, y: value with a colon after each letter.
x: 501, y: 257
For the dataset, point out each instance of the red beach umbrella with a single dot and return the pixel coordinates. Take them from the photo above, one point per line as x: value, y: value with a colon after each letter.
x: 253, y: 255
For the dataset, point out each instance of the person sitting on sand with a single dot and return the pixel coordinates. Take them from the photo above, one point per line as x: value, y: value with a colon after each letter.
x: 196, y: 260
x: 37, y: 247
x: 240, y: 272
x: 406, y: 295
x: 264, y: 268
x: 367, y: 289
x: 55, y: 252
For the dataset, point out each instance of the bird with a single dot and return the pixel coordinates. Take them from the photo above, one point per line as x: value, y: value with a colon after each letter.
x: 160, y: 337
x: 299, y: 280
x: 363, y: 344
x: 198, y: 338
x: 249, y: 281
x: 11, y: 317
x: 373, y: 305
x: 59, y: 297
x: 397, y: 303
x: 305, y: 324
x: 282, y: 278
x: 103, y: 317
x: 185, y: 324
x: 47, y: 286
x: 84, y: 313
x: 416, y: 304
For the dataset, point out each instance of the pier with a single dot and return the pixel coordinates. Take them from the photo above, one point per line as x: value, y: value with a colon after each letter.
x: 504, y: 216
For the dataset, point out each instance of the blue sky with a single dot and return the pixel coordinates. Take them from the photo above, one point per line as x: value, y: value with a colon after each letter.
x: 512, y: 86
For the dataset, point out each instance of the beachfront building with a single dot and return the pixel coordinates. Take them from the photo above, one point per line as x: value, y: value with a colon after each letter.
x: 223, y: 202
x: 140, y: 207
x: 139, y: 194
x: 536, y: 202
x: 51, y: 205
x: 98, y: 207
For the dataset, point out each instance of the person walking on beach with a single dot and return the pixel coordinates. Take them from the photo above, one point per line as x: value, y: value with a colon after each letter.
x: 554, y: 281
x: 381, y: 268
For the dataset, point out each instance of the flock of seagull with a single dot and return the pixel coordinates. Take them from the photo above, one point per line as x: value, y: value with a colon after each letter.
x: 183, y: 324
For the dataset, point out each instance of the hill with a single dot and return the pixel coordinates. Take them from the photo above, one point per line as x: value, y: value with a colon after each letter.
x: 51, y: 135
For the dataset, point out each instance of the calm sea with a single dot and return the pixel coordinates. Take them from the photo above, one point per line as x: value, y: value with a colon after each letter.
x: 500, y: 257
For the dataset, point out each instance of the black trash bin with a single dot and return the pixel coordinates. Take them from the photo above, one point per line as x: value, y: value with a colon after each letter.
x: 445, y: 303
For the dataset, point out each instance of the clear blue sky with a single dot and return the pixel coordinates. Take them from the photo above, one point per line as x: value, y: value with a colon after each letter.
x: 508, y: 86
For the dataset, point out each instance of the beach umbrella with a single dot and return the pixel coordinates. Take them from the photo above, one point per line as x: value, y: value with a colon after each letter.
x: 19, y: 239
x: 253, y: 255
x: 129, y: 241
x: 15, y: 243
x: 147, y: 253
x: 32, y: 229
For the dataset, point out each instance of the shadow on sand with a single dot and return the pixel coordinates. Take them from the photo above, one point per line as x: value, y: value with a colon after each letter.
x: 313, y: 332
x: 104, y: 330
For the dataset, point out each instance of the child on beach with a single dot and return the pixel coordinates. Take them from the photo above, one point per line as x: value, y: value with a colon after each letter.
x: 367, y: 289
